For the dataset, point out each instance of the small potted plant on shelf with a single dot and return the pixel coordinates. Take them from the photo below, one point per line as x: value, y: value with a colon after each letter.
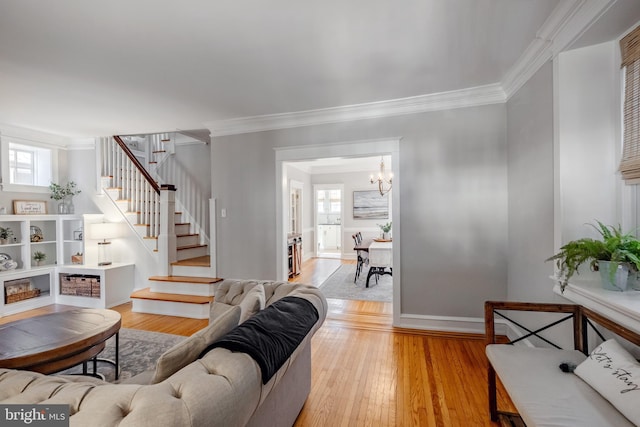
x: 39, y: 257
x: 616, y: 255
x: 5, y: 234
x: 64, y: 195
x: 386, y: 229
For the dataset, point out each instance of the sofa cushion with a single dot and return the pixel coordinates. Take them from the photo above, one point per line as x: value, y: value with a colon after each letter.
x: 185, y: 352
x: 615, y: 374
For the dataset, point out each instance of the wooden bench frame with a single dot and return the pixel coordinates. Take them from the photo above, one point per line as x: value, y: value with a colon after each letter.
x: 583, y: 319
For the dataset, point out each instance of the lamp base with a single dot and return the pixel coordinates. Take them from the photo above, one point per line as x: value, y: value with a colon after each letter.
x: 103, y: 253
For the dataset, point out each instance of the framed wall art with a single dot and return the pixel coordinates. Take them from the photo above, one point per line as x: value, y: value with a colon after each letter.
x: 29, y: 207
x: 370, y: 205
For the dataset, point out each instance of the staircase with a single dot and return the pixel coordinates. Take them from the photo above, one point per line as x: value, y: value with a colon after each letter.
x: 184, y: 287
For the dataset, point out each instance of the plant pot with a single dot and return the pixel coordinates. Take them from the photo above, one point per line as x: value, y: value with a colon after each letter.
x: 633, y: 281
x: 617, y: 282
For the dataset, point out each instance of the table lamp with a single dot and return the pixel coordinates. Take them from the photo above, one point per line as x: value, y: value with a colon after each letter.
x: 103, y: 231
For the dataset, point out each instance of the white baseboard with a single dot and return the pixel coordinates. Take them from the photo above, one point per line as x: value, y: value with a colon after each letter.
x: 442, y: 323
x: 469, y: 325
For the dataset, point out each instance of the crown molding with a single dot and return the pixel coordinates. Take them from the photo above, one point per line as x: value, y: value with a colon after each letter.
x: 481, y: 95
x: 33, y: 135
x: 568, y: 21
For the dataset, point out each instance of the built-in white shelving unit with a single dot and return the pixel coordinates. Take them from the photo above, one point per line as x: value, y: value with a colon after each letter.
x: 61, y: 239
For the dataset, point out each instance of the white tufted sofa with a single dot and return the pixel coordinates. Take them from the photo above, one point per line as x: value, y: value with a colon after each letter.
x: 221, y: 389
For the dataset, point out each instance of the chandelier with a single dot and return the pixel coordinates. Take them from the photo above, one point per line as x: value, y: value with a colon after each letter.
x: 384, y: 180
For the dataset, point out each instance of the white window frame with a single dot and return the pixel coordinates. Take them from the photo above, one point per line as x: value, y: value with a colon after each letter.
x: 6, y: 184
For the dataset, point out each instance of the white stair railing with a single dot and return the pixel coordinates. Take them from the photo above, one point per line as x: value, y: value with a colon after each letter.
x: 190, y: 199
x: 134, y: 183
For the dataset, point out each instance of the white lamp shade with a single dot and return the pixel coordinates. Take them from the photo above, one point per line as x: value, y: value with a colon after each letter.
x: 104, y: 230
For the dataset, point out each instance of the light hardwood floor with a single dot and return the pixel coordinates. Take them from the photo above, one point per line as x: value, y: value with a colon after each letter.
x: 367, y: 373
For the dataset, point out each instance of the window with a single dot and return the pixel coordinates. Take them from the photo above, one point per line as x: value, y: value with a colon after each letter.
x: 630, y: 52
x: 27, y: 166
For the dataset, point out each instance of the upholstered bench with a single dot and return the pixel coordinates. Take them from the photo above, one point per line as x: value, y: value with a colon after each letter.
x: 543, y: 393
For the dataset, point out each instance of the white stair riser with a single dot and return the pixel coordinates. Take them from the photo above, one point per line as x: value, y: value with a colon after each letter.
x: 170, y: 308
x: 151, y: 243
x: 182, y: 229
x: 141, y: 230
x: 192, y: 253
x: 182, y: 288
x: 187, y: 270
x: 105, y: 181
x: 114, y: 193
x: 187, y: 240
x: 132, y: 217
x: 123, y: 205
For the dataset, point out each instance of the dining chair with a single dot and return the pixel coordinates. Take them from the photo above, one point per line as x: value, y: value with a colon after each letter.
x: 363, y: 255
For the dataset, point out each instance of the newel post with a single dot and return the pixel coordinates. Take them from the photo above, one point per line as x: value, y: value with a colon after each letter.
x: 167, y: 237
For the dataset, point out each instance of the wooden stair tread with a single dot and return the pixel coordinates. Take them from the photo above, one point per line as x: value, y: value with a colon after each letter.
x: 201, y: 261
x: 180, y: 248
x: 161, y: 296
x: 187, y: 235
x: 187, y: 279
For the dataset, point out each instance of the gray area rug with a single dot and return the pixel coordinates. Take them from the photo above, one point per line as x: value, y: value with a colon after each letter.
x: 340, y: 285
x: 139, y: 351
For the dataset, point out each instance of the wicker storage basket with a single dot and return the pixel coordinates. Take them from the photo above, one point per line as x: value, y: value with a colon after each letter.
x: 80, y: 285
x: 20, y: 296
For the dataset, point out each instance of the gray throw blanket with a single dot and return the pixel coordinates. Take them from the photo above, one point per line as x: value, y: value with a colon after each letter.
x: 272, y: 334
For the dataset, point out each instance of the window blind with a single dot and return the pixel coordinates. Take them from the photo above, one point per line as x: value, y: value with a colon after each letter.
x: 630, y: 52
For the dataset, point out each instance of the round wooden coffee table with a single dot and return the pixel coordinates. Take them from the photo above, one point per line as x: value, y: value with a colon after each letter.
x: 57, y: 341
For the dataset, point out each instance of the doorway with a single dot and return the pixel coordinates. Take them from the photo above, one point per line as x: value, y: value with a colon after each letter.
x: 347, y: 150
x: 328, y: 208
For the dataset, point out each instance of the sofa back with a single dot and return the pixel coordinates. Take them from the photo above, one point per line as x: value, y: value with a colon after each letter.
x: 254, y: 295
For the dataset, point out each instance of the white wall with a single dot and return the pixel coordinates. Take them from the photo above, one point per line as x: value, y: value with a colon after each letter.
x: 453, y: 198
x: 588, y: 140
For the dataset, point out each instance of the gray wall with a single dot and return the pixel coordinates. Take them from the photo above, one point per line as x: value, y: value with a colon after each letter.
x: 453, y: 199
x: 531, y: 213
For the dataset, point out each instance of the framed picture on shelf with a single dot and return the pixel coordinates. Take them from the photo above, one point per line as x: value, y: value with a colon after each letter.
x: 29, y: 207
x: 77, y: 235
x: 370, y: 205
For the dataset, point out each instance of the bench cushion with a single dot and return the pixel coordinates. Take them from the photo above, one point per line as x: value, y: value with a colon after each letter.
x: 546, y: 396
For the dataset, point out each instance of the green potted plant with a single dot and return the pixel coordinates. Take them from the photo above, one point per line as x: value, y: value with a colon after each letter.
x: 5, y: 234
x: 615, y: 255
x: 386, y: 228
x: 38, y: 257
x: 64, y: 195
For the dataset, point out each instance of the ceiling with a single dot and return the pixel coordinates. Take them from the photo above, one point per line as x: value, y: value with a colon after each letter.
x: 83, y: 69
